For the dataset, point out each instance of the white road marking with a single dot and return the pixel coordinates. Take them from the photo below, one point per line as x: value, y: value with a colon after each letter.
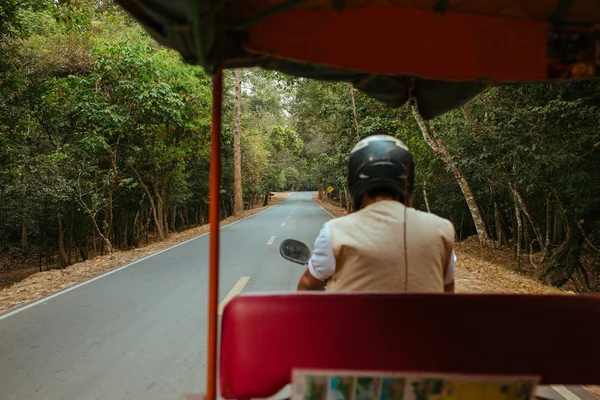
x: 237, y: 289
x: 283, y: 224
x: 564, y: 392
x: 271, y: 240
x: 68, y: 289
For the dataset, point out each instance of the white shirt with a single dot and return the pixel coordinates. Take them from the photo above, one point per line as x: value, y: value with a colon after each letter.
x: 322, y: 262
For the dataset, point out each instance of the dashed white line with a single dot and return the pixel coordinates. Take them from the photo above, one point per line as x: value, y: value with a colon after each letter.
x: 271, y: 240
x: 283, y: 224
x: 237, y: 289
x: 564, y: 392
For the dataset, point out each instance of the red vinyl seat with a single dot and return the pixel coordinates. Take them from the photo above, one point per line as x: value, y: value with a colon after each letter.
x: 265, y: 336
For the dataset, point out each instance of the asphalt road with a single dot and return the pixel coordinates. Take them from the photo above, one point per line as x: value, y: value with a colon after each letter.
x: 140, y: 332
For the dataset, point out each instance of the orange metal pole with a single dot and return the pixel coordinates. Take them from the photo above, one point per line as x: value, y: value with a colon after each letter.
x: 214, y: 220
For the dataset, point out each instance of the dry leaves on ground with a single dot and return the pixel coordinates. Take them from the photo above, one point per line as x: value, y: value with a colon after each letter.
x: 47, y: 282
x: 331, y: 207
x: 496, y: 277
x: 473, y: 275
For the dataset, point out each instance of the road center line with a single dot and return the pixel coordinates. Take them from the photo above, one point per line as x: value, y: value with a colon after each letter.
x: 237, y: 289
x: 564, y: 392
x: 271, y: 240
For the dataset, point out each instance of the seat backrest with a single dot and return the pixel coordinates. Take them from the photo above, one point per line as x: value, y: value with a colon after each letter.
x: 265, y: 336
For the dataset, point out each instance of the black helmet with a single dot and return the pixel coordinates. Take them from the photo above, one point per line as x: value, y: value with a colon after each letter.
x: 380, y: 162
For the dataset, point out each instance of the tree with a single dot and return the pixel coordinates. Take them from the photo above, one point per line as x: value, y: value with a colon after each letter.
x: 105, y: 145
x: 237, y: 156
x: 437, y: 145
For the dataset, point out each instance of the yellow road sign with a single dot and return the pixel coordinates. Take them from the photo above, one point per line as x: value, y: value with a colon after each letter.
x: 329, y: 189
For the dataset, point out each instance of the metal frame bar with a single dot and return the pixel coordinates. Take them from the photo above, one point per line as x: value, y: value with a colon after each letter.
x: 214, y: 220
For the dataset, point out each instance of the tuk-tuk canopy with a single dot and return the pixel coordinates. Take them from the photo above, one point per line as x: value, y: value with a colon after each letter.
x: 441, y: 52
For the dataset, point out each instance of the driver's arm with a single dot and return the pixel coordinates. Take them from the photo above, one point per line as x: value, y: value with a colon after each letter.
x: 309, y: 282
x: 449, y: 276
x: 321, y: 265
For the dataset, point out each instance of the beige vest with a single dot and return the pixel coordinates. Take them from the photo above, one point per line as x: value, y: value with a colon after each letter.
x: 368, y: 246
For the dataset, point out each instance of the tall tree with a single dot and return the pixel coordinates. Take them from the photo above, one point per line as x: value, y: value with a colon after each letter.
x: 440, y: 149
x: 238, y: 205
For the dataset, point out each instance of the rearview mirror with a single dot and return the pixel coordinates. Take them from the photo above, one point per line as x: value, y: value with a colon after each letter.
x: 295, y: 251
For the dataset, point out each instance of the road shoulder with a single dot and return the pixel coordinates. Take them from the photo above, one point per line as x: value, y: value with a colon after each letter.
x: 46, y: 283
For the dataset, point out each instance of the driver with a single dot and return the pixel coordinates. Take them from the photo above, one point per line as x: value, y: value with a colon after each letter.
x: 384, y: 245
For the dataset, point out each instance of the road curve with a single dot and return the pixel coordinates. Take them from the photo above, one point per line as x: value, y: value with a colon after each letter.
x: 140, y: 333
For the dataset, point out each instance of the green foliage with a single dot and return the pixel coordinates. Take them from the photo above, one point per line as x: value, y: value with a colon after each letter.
x: 106, y: 130
x: 95, y: 132
x: 541, y: 139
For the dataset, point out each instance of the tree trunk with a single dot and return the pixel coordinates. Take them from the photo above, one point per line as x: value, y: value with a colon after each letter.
x: 353, y: 100
x: 113, y: 186
x: 125, y: 242
x: 518, y: 233
x: 238, y: 205
x: 523, y: 207
x: 109, y: 226
x: 24, y: 235
x: 146, y: 228
x: 266, y: 200
x: 173, y: 218
x: 498, y: 223
x: 61, y: 243
x: 94, y: 244
x: 70, y: 241
x: 40, y: 258
x: 105, y: 224
x: 138, y: 223
x: 83, y: 252
x: 504, y: 227
x: 165, y: 207
x: 526, y: 240
x: 166, y: 220
x: 548, y: 226
x: 137, y: 229
x: 159, y: 210
x: 92, y: 215
x: 425, y: 195
x: 347, y: 197
x: 566, y: 260
x: 105, y: 241
x: 161, y: 236
x: 557, y: 234
x: 439, y: 148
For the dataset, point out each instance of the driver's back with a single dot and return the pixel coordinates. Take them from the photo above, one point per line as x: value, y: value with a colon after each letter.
x: 370, y: 253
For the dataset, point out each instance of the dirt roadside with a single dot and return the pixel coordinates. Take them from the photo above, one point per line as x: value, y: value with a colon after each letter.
x: 473, y: 275
x: 44, y: 283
